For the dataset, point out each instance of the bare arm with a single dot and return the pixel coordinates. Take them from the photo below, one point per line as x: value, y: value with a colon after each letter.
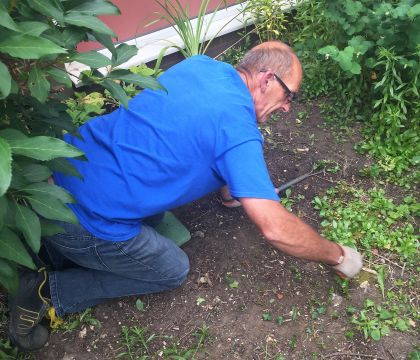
x: 288, y: 233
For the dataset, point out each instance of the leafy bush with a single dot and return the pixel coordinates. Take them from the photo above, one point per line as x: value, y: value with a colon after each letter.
x: 369, y: 68
x: 269, y: 18
x: 36, y: 38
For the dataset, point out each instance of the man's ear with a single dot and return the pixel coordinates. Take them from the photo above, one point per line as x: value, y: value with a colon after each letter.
x: 265, y: 79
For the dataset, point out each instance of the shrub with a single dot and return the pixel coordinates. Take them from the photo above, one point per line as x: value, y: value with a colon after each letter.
x: 36, y: 38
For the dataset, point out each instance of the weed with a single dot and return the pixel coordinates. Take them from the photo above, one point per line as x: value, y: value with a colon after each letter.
x: 370, y: 220
x: 297, y: 274
x: 375, y: 321
x: 294, y: 314
x: 279, y: 320
x: 233, y: 284
x: 288, y: 201
x: 266, y: 316
x: 75, y: 321
x: 140, y: 305
x: 349, y: 334
x: 293, y: 342
x: 138, y: 344
x: 302, y: 115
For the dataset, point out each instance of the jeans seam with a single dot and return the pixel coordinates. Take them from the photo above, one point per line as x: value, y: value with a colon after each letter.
x: 98, y: 256
x: 54, y: 295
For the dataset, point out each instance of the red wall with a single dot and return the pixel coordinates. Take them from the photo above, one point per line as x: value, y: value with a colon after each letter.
x: 135, y: 14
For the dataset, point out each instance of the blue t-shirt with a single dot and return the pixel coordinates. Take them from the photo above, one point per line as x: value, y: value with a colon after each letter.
x: 167, y: 149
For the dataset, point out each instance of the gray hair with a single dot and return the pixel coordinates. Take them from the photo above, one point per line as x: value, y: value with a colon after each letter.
x: 276, y: 56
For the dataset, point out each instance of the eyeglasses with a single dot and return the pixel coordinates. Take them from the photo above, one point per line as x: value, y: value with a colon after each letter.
x: 290, y: 95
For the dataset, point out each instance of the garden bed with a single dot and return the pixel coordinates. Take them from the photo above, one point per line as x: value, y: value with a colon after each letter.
x: 243, y: 299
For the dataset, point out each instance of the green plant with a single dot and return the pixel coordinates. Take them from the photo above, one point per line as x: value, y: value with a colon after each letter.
x: 139, y: 345
x: 370, y: 220
x: 192, y: 36
x: 36, y: 39
x: 234, y: 54
x: 136, y: 342
x: 75, y: 321
x: 375, y: 321
x: 293, y: 342
x: 269, y: 18
x: 370, y: 72
x: 83, y: 107
x: 266, y: 316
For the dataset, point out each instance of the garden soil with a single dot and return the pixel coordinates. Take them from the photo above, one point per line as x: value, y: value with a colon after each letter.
x: 237, y: 279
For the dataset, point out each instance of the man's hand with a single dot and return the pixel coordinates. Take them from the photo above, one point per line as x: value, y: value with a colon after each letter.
x: 351, y: 263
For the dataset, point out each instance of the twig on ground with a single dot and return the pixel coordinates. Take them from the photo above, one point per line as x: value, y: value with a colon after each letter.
x: 353, y: 354
x: 323, y: 178
x: 390, y: 261
x: 402, y: 271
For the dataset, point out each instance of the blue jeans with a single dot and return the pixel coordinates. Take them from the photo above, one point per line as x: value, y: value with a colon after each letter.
x: 88, y: 270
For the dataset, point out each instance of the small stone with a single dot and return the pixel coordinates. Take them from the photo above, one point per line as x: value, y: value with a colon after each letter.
x: 336, y: 300
x: 82, y: 333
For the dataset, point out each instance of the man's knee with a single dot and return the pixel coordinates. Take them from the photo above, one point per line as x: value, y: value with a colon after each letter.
x: 181, y: 271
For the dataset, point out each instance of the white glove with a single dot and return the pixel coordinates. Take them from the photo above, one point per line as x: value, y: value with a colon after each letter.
x: 350, y: 262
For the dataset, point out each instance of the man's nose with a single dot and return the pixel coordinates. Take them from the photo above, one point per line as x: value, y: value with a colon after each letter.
x: 285, y: 107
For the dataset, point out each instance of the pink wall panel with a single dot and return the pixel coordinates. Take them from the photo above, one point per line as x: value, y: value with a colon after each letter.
x: 135, y: 14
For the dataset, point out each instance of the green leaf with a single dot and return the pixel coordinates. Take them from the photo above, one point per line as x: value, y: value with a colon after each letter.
x: 124, y: 53
x: 116, y: 91
x: 12, y: 134
x: 96, y: 7
x: 9, y: 277
x: 62, y: 165
x: 6, y: 81
x: 89, y: 22
x: 4, y: 210
x: 93, y: 59
x: 28, y: 223
x: 34, y: 28
x: 5, y: 166
x: 385, y: 315
x: 234, y: 284
x: 414, y: 11
x: 401, y: 325
x: 47, y: 8
x: 142, y: 81
x: 360, y: 45
x: 43, y: 188
x: 38, y: 84
x: 43, y: 148
x: 329, y: 51
x: 375, y: 334
x: 266, y: 316
x: 51, y: 208
x: 29, y: 47
x: 60, y: 76
x: 106, y: 40
x: 36, y: 172
x: 11, y: 248
x: 49, y: 228
x: 139, y: 305
x: 6, y: 20
x: 381, y: 279
x: 72, y: 36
